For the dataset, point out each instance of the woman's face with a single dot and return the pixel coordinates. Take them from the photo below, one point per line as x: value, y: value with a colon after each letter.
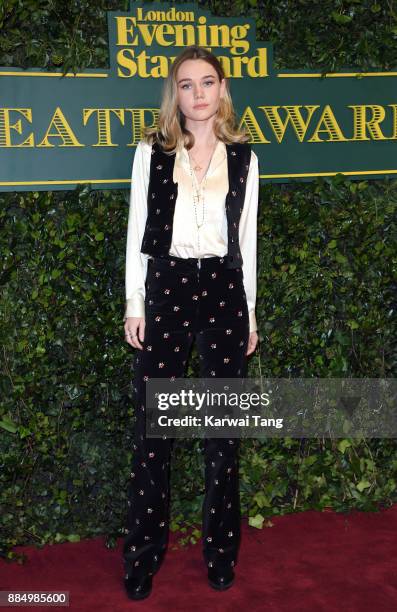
x: 198, y: 84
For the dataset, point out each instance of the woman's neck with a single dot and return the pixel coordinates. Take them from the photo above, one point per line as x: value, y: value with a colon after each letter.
x: 204, y: 136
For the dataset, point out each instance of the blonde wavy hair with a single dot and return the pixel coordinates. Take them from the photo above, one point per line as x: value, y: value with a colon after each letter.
x: 171, y: 132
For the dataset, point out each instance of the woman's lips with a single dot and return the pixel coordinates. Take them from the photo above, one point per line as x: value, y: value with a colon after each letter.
x: 200, y: 106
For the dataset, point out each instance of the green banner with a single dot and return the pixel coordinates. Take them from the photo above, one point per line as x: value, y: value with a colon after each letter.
x: 58, y: 131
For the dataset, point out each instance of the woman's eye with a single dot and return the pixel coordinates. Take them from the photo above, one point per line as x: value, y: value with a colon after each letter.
x: 205, y: 82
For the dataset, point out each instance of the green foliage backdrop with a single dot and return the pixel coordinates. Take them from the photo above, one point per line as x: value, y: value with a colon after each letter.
x: 326, y: 279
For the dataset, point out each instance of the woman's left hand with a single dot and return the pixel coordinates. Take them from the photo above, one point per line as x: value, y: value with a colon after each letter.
x: 252, y: 342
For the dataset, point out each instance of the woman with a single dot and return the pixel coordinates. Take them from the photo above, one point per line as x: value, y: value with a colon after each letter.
x: 190, y: 273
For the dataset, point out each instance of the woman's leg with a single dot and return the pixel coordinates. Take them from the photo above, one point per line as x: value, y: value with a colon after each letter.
x: 222, y: 344
x: 165, y: 348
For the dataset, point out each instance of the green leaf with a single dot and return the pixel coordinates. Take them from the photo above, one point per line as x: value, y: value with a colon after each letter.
x: 262, y: 500
x: 8, y: 426
x: 363, y: 484
x: 256, y: 521
x: 343, y: 445
x: 340, y: 18
x: 73, y: 537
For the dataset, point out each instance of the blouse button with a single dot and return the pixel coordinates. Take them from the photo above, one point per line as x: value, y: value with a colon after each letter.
x: 234, y: 153
x: 159, y: 167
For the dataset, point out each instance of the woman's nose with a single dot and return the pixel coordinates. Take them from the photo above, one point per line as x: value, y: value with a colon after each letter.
x: 198, y: 93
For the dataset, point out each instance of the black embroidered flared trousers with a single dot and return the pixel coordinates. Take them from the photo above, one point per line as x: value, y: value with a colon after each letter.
x: 186, y: 299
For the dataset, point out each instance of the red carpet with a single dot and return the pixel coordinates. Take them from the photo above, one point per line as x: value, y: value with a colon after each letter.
x: 320, y: 561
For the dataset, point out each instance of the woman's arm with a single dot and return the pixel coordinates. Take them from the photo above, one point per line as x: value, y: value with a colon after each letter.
x: 248, y: 238
x: 136, y: 262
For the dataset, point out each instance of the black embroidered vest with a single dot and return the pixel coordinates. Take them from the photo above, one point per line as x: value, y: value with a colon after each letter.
x: 162, y: 194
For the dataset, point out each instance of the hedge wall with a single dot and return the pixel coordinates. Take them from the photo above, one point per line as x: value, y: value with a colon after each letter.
x: 326, y: 283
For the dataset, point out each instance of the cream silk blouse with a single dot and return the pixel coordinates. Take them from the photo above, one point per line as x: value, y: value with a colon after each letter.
x: 213, y: 233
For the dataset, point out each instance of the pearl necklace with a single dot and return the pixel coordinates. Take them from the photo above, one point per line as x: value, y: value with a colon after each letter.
x: 199, y: 192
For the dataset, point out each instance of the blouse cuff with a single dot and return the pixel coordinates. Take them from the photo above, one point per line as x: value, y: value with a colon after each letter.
x: 252, y: 321
x: 135, y: 307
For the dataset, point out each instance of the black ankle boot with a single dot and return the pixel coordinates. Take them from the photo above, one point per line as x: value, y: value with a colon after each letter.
x: 138, y: 588
x: 220, y: 579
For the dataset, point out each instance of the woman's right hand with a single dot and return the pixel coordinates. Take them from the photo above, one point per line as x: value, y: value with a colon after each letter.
x: 134, y: 329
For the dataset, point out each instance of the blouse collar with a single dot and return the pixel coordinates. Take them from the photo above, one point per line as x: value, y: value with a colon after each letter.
x: 219, y: 155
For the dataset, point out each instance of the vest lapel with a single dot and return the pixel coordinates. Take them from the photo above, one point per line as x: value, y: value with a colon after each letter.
x: 238, y: 156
